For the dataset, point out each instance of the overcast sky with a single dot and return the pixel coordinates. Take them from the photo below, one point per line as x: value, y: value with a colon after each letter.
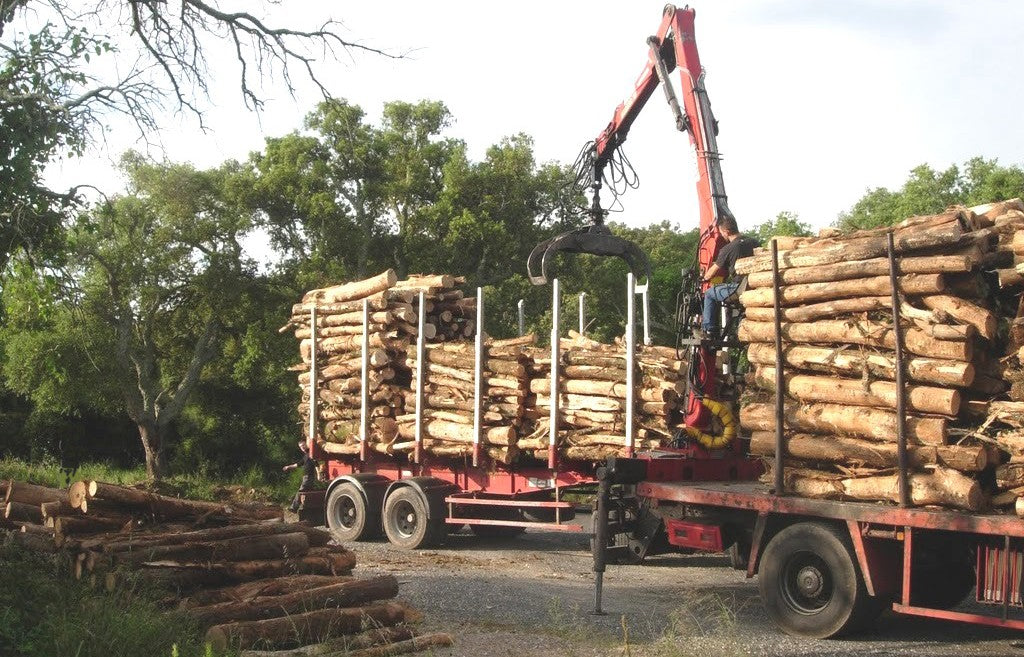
x: 817, y: 101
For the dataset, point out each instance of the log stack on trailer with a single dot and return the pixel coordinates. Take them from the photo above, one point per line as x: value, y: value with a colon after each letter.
x: 840, y: 363
x: 248, y: 578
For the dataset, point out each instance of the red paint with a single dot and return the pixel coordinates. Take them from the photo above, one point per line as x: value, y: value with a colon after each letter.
x: 694, y: 535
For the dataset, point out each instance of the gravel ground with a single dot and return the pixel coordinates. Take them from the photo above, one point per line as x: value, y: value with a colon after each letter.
x: 532, y: 595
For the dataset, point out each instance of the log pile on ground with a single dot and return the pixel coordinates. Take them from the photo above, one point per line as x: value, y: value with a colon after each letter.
x: 448, y: 399
x: 592, y: 401
x: 249, y: 579
x: 955, y: 289
x: 393, y: 326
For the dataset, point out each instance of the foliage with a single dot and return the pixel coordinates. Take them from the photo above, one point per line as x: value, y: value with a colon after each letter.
x: 784, y: 224
x: 928, y: 191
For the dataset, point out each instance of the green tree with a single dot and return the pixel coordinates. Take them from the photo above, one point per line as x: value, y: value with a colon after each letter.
x: 152, y: 278
x: 784, y: 224
x: 927, y: 191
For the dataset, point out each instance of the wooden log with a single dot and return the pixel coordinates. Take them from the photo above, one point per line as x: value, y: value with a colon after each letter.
x: 58, y: 508
x: 314, y: 537
x: 245, y: 548
x: 23, y: 511
x: 858, y: 421
x: 793, y: 295
x: 843, y: 360
x: 875, y: 334
x: 415, y: 644
x: 353, y: 290
x: 342, y: 594
x: 584, y: 402
x: 855, y: 452
x: 170, y: 507
x: 318, y: 561
x: 261, y: 588
x: 309, y: 627
x: 611, y: 389
x: 813, y: 311
x: 442, y: 430
x: 942, y: 487
x: 26, y: 493
x: 982, y: 319
x: 343, y: 645
x: 855, y: 392
x: 863, y: 269
x: 378, y: 301
x: 505, y: 455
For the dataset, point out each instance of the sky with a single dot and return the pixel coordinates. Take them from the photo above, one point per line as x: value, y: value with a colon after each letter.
x: 817, y: 102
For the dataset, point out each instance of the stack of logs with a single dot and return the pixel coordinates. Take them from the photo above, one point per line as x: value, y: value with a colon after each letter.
x: 247, y: 578
x: 954, y: 285
x: 392, y: 328
x: 449, y: 393
x: 592, y: 404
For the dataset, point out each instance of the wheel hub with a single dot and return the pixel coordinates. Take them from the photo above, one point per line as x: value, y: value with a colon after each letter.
x: 810, y: 581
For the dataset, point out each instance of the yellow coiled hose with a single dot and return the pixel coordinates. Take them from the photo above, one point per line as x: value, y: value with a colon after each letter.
x: 728, y: 420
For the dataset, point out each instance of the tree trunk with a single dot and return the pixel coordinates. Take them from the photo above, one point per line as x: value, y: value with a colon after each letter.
x: 153, y: 445
x: 309, y: 627
x: 942, y: 487
x: 860, y: 421
x: 856, y: 452
x: 795, y: 295
x: 863, y: 269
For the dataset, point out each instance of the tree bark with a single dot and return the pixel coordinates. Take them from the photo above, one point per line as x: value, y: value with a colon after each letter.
x: 943, y: 487
x: 858, y: 421
x: 153, y: 447
x: 308, y: 627
x: 855, y: 392
x: 244, y: 548
x: 856, y: 452
x: 964, y: 311
x: 794, y: 295
x: 843, y: 360
x: 863, y: 269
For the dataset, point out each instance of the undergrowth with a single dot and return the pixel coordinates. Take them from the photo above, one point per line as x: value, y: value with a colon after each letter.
x: 45, y: 612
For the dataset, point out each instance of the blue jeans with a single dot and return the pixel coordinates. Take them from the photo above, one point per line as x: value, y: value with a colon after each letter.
x: 713, y: 299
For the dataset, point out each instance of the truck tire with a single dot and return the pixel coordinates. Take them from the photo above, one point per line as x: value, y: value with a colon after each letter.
x: 406, y: 523
x: 809, y: 582
x: 348, y: 516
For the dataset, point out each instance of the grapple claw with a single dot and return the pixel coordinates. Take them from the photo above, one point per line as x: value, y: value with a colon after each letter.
x: 595, y: 239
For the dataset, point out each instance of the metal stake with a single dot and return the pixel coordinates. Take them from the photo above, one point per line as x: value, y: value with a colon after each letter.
x: 780, y: 387
x: 478, y: 376
x: 555, y: 391
x: 630, y: 362
x: 421, y: 364
x: 647, y: 315
x: 364, y: 388
x: 522, y: 317
x: 313, y: 390
x: 901, y: 393
x: 583, y: 313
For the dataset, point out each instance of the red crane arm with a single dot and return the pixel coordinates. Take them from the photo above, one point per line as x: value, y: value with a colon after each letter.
x: 674, y: 47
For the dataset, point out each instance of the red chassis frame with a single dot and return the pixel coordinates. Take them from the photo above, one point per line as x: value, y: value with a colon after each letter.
x: 882, y: 537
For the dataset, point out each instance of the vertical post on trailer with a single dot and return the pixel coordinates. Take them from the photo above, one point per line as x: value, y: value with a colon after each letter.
x: 421, y: 364
x: 901, y: 391
x: 583, y: 313
x: 555, y: 389
x: 364, y: 385
x: 522, y: 317
x: 478, y: 377
x: 313, y: 396
x: 630, y: 362
x: 780, y: 385
x: 647, y: 315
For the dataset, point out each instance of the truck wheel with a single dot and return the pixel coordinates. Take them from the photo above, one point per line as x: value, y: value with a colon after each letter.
x: 347, y: 515
x: 406, y: 522
x: 809, y: 582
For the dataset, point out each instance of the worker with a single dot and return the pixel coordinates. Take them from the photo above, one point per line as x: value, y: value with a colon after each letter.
x: 309, y: 475
x: 738, y: 246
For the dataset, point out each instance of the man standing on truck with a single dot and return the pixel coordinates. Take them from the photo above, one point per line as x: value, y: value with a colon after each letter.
x: 308, y: 466
x: 724, y: 266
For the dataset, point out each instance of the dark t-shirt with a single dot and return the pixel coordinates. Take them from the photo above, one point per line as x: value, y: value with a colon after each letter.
x: 741, y: 247
x: 308, y: 466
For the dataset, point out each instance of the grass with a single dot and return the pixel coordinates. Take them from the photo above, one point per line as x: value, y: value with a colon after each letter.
x: 253, y: 484
x: 45, y: 612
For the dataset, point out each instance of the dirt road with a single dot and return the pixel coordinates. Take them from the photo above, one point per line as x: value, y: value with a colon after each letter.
x: 532, y: 595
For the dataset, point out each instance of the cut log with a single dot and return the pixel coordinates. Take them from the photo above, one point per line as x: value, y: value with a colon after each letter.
x: 793, y: 295
x: 442, y: 430
x: 942, y: 486
x: 964, y: 311
x: 863, y: 269
x: 342, y: 594
x: 344, y: 645
x: 169, y: 507
x: 415, y: 644
x: 309, y: 627
x: 353, y: 290
x: 852, y: 451
x: 875, y: 334
x: 315, y: 537
x: 318, y: 561
x: 244, y: 548
x: 813, y: 311
x: 855, y: 392
x: 26, y: 493
x: 872, y: 423
x: 844, y: 360
x: 23, y: 511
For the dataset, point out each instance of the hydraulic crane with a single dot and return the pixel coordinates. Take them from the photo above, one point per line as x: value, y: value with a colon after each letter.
x: 671, y: 48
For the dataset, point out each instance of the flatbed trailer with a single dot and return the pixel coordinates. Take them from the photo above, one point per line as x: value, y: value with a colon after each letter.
x: 825, y: 567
